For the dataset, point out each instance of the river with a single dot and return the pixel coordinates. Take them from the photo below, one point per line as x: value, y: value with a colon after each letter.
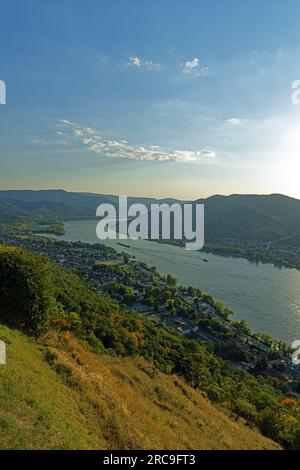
x: 266, y: 296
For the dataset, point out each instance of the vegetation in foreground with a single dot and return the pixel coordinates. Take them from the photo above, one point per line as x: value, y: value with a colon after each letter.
x: 57, y: 395
x: 63, y: 305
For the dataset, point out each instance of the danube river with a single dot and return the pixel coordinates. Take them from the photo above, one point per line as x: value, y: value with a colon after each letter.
x: 266, y: 296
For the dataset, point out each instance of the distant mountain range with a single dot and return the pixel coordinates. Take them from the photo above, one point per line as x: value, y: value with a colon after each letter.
x: 261, y: 217
x: 52, y: 204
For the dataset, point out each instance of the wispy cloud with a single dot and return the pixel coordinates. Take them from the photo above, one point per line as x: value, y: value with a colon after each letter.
x: 194, y: 67
x: 233, y: 121
x: 40, y: 142
x: 148, y: 64
x: 93, y: 141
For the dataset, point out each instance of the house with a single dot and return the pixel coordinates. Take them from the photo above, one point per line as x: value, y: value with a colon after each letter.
x: 278, y: 364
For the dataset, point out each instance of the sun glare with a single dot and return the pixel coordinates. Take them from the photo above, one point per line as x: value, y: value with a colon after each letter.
x: 287, y: 167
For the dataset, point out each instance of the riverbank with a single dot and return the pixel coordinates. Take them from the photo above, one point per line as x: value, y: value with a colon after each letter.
x: 266, y: 296
x: 286, y: 257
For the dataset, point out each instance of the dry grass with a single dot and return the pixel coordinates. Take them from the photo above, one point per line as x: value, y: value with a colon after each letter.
x: 135, y: 407
x: 37, y: 411
x: 56, y: 395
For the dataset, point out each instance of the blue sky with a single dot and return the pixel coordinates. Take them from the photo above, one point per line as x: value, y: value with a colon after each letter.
x: 161, y: 98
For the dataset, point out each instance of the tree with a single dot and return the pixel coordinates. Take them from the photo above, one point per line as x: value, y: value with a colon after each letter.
x: 270, y: 423
x: 26, y: 290
x: 243, y: 327
x: 171, y: 280
x: 261, y: 363
x: 241, y: 408
x: 189, y: 368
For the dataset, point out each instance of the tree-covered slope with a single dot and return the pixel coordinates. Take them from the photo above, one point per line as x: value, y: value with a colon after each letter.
x: 63, y: 306
x: 251, y: 217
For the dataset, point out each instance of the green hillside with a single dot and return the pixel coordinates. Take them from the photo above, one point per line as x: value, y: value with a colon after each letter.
x: 84, y: 401
x: 56, y: 355
x: 37, y: 410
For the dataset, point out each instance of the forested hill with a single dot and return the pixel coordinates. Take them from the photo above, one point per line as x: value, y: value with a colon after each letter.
x: 48, y: 205
x: 52, y: 204
x: 261, y: 217
x: 240, y: 217
x: 123, y: 380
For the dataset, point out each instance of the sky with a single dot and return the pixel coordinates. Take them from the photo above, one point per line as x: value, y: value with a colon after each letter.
x: 163, y: 98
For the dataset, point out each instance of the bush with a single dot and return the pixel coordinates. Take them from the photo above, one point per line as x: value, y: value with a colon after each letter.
x: 26, y: 298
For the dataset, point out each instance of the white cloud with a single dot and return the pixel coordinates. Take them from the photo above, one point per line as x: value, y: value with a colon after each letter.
x: 233, y: 121
x: 137, y: 62
x: 251, y: 122
x: 94, y: 142
x: 193, y: 67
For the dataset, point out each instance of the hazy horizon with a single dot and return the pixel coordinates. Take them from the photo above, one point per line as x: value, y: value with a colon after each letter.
x: 146, y: 196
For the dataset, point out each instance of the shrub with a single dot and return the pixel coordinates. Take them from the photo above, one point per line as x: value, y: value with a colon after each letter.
x: 26, y: 297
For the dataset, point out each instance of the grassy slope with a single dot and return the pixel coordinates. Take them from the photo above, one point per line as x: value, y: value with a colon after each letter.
x: 77, y: 400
